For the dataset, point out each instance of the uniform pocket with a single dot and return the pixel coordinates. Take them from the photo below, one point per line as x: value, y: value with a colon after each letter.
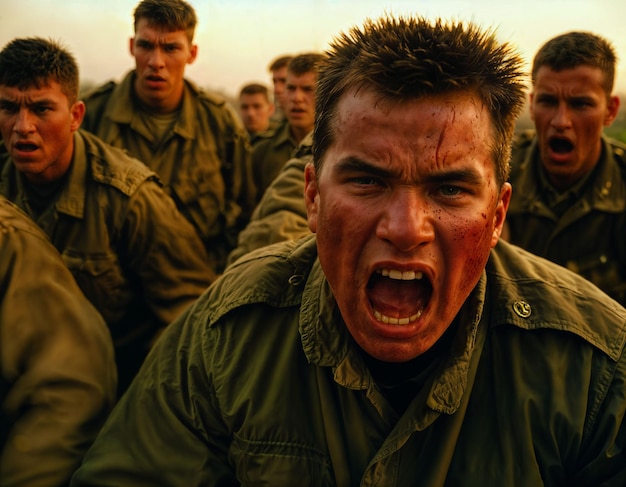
x: 100, y: 278
x: 279, y: 464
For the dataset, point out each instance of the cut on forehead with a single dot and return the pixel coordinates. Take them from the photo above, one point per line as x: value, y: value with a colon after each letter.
x: 409, y: 57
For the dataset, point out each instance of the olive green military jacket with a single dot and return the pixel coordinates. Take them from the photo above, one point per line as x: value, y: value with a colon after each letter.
x: 136, y: 258
x: 57, y: 369
x: 260, y: 383
x: 590, y: 237
x: 281, y: 213
x: 204, y: 164
x: 270, y: 155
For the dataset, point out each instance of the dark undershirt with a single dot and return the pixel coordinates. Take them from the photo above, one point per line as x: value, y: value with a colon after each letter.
x: 41, y: 195
x: 401, y: 382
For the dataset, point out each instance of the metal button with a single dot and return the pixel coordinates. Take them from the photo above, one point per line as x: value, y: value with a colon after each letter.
x: 522, y: 309
x: 296, y: 279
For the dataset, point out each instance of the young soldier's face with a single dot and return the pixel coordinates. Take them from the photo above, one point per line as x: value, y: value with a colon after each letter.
x: 300, y: 100
x: 256, y: 111
x: 406, y: 209
x: 160, y: 61
x: 570, y: 109
x: 37, y: 125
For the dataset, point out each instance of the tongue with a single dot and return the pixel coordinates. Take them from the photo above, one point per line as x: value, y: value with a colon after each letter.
x: 397, y: 298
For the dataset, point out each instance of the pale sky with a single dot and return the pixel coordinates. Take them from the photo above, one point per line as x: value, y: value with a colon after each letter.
x: 238, y: 38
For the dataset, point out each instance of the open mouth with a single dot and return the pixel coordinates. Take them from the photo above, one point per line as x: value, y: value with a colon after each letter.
x: 398, y: 297
x: 25, y: 146
x: 560, y: 145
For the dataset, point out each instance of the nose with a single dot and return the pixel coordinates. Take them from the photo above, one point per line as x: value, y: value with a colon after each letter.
x: 23, y: 122
x: 156, y: 59
x: 561, y: 119
x: 407, y: 220
x: 297, y: 94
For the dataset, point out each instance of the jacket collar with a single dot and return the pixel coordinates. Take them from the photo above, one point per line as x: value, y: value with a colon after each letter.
x: 72, y: 198
x: 119, y: 110
x: 71, y: 201
x: 327, y: 342
x: 607, y: 192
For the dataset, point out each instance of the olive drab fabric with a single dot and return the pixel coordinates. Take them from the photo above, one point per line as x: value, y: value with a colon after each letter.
x: 260, y: 383
x: 204, y: 162
x: 270, y: 155
x: 57, y: 366
x: 589, y: 238
x: 281, y: 212
x: 136, y: 258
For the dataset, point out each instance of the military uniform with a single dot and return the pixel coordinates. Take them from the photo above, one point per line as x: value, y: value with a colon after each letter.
x: 57, y: 368
x: 270, y: 155
x: 136, y: 258
x: 256, y: 137
x: 204, y: 162
x: 260, y: 383
x: 588, y: 235
x: 281, y: 213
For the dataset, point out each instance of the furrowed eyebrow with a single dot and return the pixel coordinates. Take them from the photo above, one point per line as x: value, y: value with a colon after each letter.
x: 465, y: 175
x: 353, y: 164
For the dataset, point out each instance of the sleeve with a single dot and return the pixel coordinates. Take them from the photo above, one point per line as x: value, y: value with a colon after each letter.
x: 602, y: 462
x: 281, y: 213
x: 166, y: 430
x: 165, y: 253
x: 237, y: 173
x: 57, y: 362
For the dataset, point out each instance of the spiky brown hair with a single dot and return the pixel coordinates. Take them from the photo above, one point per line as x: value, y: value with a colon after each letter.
x: 410, y: 57
x: 35, y: 62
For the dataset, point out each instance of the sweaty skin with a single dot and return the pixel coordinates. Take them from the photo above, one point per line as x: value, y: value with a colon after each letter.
x: 406, y: 209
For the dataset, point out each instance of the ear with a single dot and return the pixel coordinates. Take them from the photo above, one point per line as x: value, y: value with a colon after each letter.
x: 311, y: 196
x: 530, y: 106
x: 500, y: 213
x: 131, y: 46
x: 611, y: 110
x: 77, y: 111
x: 193, y: 53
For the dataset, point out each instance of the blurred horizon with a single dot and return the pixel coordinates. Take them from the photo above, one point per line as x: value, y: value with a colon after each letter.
x: 237, y: 39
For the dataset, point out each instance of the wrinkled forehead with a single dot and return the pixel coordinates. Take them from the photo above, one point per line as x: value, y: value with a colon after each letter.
x: 431, y: 125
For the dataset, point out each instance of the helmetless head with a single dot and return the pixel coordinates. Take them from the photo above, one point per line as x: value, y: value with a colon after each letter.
x: 39, y: 107
x: 571, y: 102
x: 162, y: 47
x: 407, y: 194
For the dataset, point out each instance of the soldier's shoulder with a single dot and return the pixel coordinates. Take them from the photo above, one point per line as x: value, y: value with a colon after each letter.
x: 112, y: 166
x: 618, y: 148
x: 103, y: 90
x: 206, y: 96
x: 523, y: 138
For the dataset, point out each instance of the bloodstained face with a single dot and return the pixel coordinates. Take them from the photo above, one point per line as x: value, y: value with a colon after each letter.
x: 406, y: 209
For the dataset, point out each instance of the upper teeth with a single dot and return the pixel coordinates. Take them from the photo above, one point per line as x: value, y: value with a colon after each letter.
x: 402, y: 275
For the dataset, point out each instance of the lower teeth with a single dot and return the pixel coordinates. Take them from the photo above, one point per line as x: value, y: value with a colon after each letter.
x: 396, y: 321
